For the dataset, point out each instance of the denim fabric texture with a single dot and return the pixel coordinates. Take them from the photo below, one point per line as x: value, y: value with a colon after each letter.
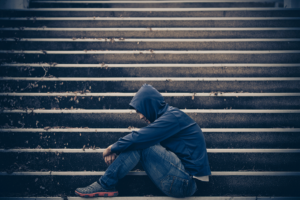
x: 162, y: 166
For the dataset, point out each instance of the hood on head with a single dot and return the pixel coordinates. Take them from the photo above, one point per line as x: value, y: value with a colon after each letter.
x: 149, y: 102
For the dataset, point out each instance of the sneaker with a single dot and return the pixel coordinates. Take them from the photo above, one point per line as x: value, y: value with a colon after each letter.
x: 95, y: 190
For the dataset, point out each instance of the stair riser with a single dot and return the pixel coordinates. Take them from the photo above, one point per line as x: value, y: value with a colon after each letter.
x: 150, y: 23
x: 154, y: 34
x: 152, y: 58
x: 204, y: 120
x: 152, y: 13
x: 142, y: 185
x: 218, y: 102
x: 154, y: 5
x: 18, y: 162
x: 291, y: 45
x: 213, y: 139
x: 161, y: 86
x: 107, y: 71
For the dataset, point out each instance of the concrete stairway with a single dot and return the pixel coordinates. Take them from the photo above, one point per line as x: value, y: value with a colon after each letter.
x: 70, y: 68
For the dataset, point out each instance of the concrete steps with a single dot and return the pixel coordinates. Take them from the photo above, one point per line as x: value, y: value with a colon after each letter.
x: 122, y: 118
x: 62, y: 137
x: 221, y: 161
x: 70, y: 68
x: 219, y: 185
x: 163, y: 84
x: 179, y: 32
x: 146, y: 44
x: 95, y: 101
x: 150, y: 70
x: 144, y: 22
x: 151, y: 4
x: 151, y: 56
x: 154, y: 12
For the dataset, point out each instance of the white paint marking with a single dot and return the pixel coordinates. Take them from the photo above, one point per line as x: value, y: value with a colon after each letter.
x: 212, y: 94
x: 158, y: 198
x: 128, y: 111
x: 120, y: 130
x: 163, y: 9
x: 152, y: 52
x: 146, y: 40
x: 149, y: 65
x: 142, y: 173
x: 157, y: 1
x: 147, y: 18
x: 167, y: 79
x: 102, y: 150
x: 152, y: 29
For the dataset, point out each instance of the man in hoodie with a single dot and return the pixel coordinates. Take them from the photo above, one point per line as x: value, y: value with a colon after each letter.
x: 171, y: 148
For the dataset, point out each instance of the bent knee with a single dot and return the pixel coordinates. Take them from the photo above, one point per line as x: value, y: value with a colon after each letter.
x: 150, y: 150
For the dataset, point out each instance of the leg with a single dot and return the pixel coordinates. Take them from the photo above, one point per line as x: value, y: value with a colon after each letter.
x: 119, y: 168
x: 105, y: 186
x: 167, y: 172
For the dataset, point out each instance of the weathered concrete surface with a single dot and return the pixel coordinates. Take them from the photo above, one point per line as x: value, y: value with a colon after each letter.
x: 155, y: 13
x: 161, y: 86
x: 150, y: 23
x: 155, y: 5
x: 19, y: 162
x: 152, y: 34
x: 140, y: 57
x: 259, y: 140
x: 106, y: 120
x: 142, y: 185
x: 100, y: 102
x: 184, y: 71
x: 194, y: 45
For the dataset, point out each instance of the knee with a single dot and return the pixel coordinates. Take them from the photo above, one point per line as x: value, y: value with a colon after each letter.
x: 149, y: 151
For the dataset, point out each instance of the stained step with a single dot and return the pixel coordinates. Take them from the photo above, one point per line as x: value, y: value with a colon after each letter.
x: 56, y: 137
x: 146, y: 44
x: 250, y: 32
x: 144, y: 22
x: 119, y: 119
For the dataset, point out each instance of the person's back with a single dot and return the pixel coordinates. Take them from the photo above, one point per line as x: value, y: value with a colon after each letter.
x: 188, y: 144
x: 171, y: 149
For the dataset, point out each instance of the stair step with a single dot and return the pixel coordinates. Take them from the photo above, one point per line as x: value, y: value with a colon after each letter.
x: 157, y: 56
x: 250, y: 32
x: 154, y: 12
x: 90, y: 22
x: 94, y: 101
x: 21, y: 160
x: 118, y: 119
x: 55, y: 137
x: 163, y: 84
x: 142, y: 44
x: 261, y: 185
x: 148, y: 70
x: 149, y: 4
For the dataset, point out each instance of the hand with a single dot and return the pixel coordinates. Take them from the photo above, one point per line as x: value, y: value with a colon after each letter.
x: 107, y: 151
x: 110, y: 158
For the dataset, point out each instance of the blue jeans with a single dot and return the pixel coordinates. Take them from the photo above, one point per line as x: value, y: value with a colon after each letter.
x: 162, y: 166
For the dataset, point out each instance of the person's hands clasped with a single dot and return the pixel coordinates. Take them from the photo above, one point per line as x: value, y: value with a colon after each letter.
x: 108, y: 156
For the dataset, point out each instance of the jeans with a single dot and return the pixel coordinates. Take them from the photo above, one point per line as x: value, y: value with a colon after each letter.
x: 162, y: 166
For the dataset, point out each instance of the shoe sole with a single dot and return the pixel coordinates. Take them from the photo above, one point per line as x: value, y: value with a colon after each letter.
x: 98, y: 194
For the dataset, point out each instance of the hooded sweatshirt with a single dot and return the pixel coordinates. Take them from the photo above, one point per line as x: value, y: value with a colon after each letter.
x: 170, y: 127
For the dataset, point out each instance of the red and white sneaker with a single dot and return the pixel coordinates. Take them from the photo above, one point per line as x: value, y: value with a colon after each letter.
x: 95, y: 190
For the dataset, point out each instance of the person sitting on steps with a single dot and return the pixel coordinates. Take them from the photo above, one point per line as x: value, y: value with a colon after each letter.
x: 171, y: 148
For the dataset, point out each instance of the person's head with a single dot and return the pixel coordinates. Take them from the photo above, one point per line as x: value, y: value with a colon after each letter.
x: 142, y: 117
x: 148, y: 103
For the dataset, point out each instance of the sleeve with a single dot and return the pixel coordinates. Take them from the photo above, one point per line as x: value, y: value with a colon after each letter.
x: 164, y: 127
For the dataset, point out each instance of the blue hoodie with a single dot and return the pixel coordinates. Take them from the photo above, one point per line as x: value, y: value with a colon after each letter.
x: 170, y: 127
